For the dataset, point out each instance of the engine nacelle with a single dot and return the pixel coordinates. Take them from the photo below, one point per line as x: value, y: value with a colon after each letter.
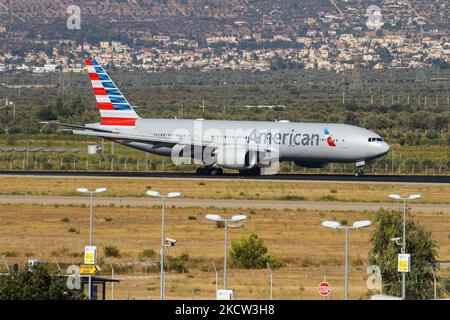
x: 239, y: 158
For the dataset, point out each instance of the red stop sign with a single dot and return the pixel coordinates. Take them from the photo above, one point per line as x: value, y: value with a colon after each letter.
x: 324, y: 289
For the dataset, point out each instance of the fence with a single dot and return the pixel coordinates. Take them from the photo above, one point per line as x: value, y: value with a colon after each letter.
x: 71, y: 162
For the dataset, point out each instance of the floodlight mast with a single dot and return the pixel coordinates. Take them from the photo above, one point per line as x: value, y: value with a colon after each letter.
x: 338, y: 225
x: 403, y: 250
x: 156, y: 194
x: 218, y: 218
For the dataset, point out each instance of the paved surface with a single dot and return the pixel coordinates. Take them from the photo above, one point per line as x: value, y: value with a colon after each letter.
x: 186, y: 202
x: 293, y: 177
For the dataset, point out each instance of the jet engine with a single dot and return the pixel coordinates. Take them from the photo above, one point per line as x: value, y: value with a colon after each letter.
x: 234, y: 157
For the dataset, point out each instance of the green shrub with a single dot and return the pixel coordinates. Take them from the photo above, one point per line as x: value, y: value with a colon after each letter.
x: 65, y: 219
x: 179, y: 264
x: 147, y: 253
x: 328, y: 197
x: 108, y: 219
x: 36, y: 285
x: 10, y: 254
x: 292, y: 198
x: 251, y: 253
x: 192, y: 218
x: 111, y: 251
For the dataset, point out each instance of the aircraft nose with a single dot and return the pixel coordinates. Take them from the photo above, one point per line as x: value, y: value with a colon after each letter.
x: 384, y: 148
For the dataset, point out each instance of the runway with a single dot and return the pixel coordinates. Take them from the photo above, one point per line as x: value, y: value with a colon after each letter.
x: 222, y: 203
x: 287, y: 177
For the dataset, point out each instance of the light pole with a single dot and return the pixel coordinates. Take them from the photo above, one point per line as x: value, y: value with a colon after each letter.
x: 217, y: 218
x: 337, y: 225
x: 411, y: 197
x: 156, y: 194
x: 91, y: 195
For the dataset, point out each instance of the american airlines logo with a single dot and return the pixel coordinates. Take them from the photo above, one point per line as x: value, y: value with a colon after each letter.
x: 329, y: 138
x: 288, y: 138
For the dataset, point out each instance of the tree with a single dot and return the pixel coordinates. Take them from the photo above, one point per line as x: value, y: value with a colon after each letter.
x: 46, y: 113
x: 251, y: 253
x: 36, y: 284
x: 419, y: 243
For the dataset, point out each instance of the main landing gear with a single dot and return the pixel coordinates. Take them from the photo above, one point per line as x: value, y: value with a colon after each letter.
x: 360, y: 169
x: 209, y: 171
x: 255, y: 171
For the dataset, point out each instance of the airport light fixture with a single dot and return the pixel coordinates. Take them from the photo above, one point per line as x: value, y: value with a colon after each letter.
x: 170, y: 195
x: 337, y: 225
x: 217, y: 218
x: 91, y: 195
x: 399, y: 198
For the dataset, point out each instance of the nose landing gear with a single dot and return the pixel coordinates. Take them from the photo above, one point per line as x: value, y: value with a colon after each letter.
x: 360, y: 169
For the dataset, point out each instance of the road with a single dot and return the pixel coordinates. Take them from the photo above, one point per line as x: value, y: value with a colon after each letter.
x: 219, y: 203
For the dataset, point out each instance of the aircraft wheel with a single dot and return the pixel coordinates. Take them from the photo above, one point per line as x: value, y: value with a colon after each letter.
x: 359, y: 173
x: 255, y: 171
x: 202, y: 171
x: 217, y: 172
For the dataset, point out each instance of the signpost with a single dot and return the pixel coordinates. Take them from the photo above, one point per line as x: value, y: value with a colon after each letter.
x: 324, y: 289
x: 404, y: 262
x: 88, y: 269
x: 90, y: 254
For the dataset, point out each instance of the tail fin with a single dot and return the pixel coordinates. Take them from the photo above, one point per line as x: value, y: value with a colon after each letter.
x: 114, y: 108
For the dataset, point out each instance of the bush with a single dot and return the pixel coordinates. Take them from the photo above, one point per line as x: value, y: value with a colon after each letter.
x: 292, y: 198
x: 328, y: 197
x: 66, y: 219
x: 179, y: 264
x: 251, y: 253
x: 38, y: 284
x: 147, y: 253
x: 111, y: 251
x: 9, y: 254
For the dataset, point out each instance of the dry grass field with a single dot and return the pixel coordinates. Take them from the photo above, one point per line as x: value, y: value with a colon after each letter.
x: 295, y: 237
x: 225, y: 189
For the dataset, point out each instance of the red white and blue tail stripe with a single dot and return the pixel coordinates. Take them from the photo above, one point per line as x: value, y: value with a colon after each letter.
x: 114, y: 108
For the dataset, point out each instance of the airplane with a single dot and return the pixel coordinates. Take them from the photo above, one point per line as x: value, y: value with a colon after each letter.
x: 251, y: 147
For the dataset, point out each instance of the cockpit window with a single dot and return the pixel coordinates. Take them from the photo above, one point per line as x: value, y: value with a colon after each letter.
x: 375, y: 139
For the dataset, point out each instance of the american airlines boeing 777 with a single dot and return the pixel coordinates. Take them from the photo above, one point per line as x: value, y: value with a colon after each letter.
x: 248, y: 146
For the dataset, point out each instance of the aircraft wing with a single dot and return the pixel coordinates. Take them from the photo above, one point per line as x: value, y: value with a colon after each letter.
x: 73, y: 126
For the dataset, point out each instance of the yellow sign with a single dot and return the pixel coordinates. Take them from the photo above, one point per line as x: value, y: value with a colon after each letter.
x: 404, y: 262
x: 90, y: 254
x: 88, y: 269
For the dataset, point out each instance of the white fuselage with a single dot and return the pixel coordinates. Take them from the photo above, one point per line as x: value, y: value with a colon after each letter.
x: 301, y: 141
